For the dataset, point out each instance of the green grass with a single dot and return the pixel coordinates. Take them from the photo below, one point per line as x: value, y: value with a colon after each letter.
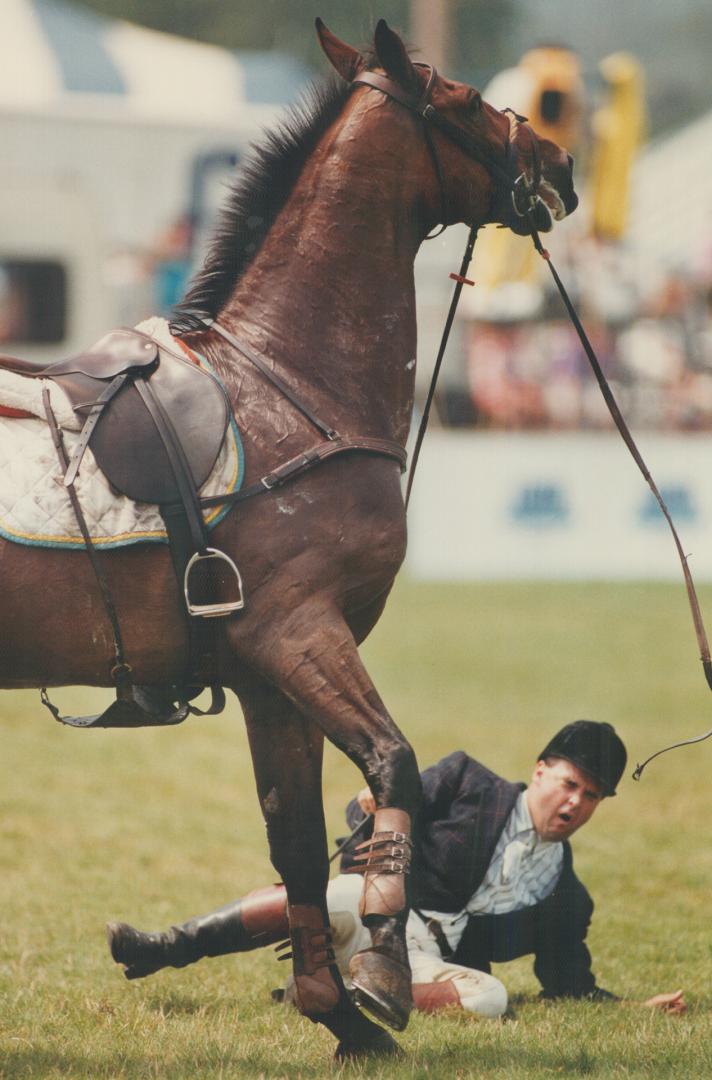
x: 154, y: 826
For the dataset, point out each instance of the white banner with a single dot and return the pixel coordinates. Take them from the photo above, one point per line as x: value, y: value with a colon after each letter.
x: 558, y: 506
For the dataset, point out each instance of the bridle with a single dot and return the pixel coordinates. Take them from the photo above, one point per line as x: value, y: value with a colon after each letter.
x: 517, y: 194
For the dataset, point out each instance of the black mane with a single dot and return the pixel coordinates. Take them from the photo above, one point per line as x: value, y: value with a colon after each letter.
x: 256, y: 198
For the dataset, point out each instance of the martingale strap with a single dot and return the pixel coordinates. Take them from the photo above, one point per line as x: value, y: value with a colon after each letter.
x: 303, y: 462
x: 289, y: 470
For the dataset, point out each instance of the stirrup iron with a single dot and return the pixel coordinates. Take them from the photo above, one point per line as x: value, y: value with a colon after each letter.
x: 209, y: 611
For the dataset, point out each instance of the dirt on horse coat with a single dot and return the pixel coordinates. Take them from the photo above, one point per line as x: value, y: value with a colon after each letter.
x: 313, y: 269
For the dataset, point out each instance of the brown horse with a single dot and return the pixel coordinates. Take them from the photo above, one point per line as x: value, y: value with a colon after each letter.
x: 312, y: 270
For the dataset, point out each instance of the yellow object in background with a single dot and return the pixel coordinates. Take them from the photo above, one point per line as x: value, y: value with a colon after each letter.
x: 547, y: 87
x: 619, y: 130
x: 556, y: 96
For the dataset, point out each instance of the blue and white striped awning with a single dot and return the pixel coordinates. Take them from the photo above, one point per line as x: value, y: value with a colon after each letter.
x: 57, y: 54
x: 670, y: 220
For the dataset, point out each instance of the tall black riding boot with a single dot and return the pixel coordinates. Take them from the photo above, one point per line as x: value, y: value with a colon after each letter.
x: 259, y: 918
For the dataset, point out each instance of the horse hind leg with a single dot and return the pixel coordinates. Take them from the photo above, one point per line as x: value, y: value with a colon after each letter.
x: 287, y: 756
x: 316, y: 663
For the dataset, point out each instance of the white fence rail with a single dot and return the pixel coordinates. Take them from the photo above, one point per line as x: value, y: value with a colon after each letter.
x: 499, y: 506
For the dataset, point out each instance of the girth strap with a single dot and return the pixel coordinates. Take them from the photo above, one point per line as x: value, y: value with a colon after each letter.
x: 178, y: 462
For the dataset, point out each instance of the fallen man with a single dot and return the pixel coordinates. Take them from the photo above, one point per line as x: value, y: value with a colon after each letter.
x: 492, y: 880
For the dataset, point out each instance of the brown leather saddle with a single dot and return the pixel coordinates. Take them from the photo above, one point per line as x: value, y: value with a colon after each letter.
x: 126, y: 437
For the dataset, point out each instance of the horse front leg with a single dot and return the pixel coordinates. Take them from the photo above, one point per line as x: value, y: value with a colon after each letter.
x: 313, y: 657
x: 287, y: 754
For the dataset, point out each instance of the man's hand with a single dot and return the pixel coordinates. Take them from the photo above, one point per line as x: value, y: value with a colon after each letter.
x: 366, y: 801
x: 669, y: 1003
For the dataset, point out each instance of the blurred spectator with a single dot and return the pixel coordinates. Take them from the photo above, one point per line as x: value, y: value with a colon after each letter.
x: 655, y: 351
x: 172, y: 265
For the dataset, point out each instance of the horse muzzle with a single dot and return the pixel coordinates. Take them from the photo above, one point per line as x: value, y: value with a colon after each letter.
x: 547, y: 206
x: 537, y: 214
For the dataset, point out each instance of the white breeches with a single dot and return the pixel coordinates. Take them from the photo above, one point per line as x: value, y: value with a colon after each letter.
x: 479, y: 993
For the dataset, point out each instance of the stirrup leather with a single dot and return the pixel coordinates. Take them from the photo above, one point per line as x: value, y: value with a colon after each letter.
x: 387, y: 852
x: 310, y: 949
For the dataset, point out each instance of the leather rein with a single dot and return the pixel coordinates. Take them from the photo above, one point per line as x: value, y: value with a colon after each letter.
x: 522, y: 194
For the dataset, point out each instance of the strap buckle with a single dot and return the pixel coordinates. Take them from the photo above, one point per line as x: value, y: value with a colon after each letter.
x: 524, y: 196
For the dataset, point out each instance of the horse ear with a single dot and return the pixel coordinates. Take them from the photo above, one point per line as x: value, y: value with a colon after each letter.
x: 347, y: 60
x: 393, y: 56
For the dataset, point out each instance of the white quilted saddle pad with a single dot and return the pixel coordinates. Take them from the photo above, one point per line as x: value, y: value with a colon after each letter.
x: 34, y: 504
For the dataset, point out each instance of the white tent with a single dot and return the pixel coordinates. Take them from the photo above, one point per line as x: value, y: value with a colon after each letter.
x: 113, y: 137
x: 671, y: 200
x: 60, y: 56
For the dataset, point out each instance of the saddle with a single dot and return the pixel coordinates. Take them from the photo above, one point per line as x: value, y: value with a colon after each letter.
x: 156, y: 423
x: 128, y: 444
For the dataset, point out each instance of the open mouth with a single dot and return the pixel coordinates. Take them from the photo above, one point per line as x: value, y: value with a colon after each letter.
x: 552, y: 199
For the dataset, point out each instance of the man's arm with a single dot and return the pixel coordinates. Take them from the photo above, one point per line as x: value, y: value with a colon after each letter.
x: 674, y: 1003
x: 563, y: 961
x: 669, y: 1003
x: 441, y: 784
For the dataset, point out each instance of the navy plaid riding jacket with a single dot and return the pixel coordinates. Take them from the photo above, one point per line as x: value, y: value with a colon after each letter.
x: 464, y: 809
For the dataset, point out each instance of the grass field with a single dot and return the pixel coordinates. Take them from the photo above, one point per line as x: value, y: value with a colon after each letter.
x: 154, y: 826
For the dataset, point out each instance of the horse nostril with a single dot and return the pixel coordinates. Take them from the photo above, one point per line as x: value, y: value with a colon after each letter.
x: 570, y: 160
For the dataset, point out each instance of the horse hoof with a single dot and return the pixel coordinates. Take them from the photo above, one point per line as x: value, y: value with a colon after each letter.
x: 381, y: 1044
x: 382, y: 986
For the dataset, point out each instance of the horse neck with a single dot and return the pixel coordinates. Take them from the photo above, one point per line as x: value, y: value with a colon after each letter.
x: 330, y: 297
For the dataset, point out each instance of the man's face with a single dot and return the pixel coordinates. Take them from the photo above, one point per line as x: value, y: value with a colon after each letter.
x: 561, y: 798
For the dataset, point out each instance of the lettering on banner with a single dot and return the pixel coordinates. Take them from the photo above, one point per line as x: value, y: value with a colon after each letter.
x: 541, y: 505
x: 679, y: 501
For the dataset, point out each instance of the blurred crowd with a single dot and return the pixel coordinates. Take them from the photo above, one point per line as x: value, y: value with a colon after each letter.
x: 655, y: 348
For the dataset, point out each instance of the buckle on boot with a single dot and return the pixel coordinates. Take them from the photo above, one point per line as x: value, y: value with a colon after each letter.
x: 387, y: 852
x: 311, y: 949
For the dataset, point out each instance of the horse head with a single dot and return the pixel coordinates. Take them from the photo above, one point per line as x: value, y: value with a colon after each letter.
x: 484, y: 165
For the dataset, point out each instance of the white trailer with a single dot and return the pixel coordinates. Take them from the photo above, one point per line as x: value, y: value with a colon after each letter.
x: 113, y: 138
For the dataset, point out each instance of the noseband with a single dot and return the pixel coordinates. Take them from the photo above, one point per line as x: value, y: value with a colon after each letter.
x: 514, y: 192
